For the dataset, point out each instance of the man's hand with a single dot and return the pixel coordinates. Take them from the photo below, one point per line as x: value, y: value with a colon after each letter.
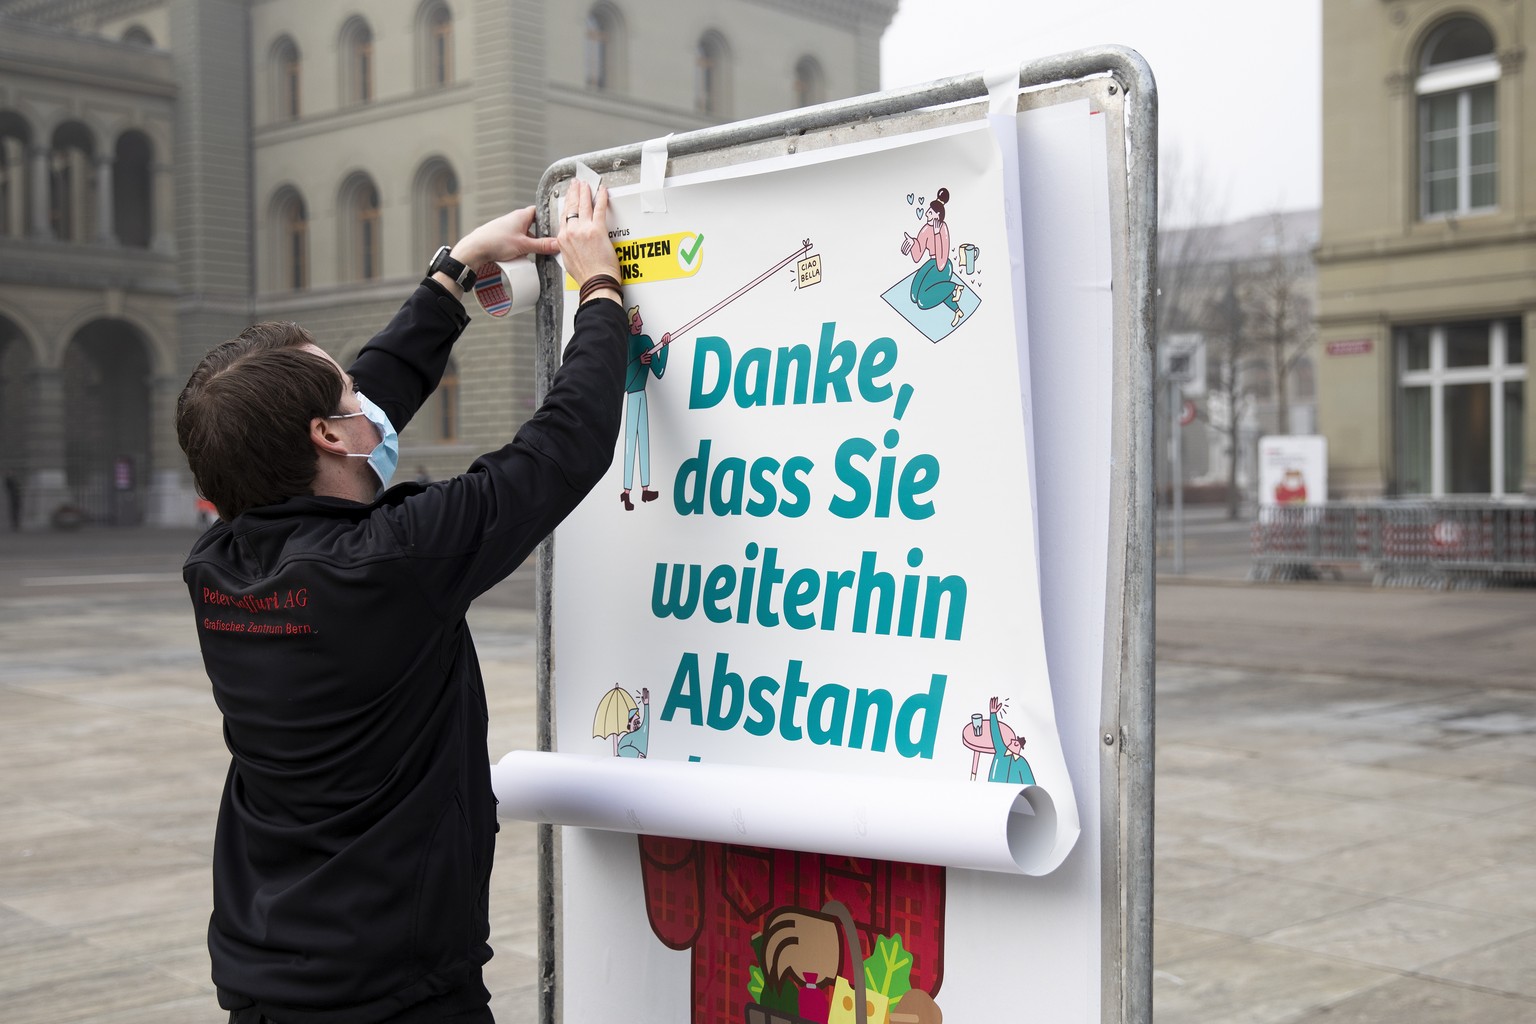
x: 584, y: 237
x: 993, y: 705
x: 497, y: 241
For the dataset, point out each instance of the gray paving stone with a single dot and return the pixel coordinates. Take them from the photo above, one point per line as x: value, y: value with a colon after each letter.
x: 1396, y: 933
x: 1252, y: 905
x: 1507, y: 890
x: 1404, y: 1000
x: 1342, y: 836
x: 1253, y: 983
x: 1507, y: 966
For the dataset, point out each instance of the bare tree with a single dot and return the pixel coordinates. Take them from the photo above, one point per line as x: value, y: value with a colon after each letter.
x: 1279, y: 313
x: 1228, y: 346
x: 1188, y: 213
x: 1190, y: 210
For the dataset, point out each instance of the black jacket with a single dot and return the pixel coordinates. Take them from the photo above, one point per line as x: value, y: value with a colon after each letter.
x: 353, y: 852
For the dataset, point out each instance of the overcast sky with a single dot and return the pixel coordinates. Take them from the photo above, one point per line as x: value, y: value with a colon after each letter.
x: 1239, y: 83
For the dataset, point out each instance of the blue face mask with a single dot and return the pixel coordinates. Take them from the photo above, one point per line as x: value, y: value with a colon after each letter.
x: 386, y: 454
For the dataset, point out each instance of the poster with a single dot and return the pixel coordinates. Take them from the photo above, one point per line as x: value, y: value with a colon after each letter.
x: 1293, y: 470
x: 814, y: 553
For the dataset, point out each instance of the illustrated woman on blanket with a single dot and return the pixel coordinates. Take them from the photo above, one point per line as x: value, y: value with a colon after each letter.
x: 933, y: 283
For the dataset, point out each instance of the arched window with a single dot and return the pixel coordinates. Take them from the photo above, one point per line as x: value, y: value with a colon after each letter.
x: 438, y: 419
x: 1458, y: 76
x: 810, y: 83
x: 72, y: 183
x: 603, y: 56
x: 437, y: 205
x: 17, y: 401
x: 138, y: 35
x: 106, y: 388
x: 290, y: 241
x: 363, y: 243
x: 357, y: 62
x: 285, y: 69
x: 712, y: 76
x: 435, y: 34
x: 15, y: 138
x: 132, y: 193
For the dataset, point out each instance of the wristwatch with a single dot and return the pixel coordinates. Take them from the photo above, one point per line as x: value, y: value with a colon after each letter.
x: 464, y: 276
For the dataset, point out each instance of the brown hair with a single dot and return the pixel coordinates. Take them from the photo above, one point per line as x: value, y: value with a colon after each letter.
x: 243, y: 418
x: 937, y: 206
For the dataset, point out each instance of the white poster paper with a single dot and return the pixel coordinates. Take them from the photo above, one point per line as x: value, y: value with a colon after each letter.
x: 799, y: 627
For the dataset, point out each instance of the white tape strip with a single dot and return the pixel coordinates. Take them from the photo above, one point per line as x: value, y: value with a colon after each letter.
x: 588, y: 175
x: 653, y: 175
x: 1002, y: 89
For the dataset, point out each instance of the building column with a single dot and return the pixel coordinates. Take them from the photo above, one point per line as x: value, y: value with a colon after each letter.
x: 79, y: 195
x: 15, y: 158
x: 40, y: 188
x: 46, y: 487
x: 170, y: 499
x: 163, y: 210
x: 104, y: 232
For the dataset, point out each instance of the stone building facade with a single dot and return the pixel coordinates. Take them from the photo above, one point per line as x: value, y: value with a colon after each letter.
x: 171, y: 170
x: 1427, y: 253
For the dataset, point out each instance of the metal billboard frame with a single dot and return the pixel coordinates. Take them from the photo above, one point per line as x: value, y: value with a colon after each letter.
x: 1119, y: 84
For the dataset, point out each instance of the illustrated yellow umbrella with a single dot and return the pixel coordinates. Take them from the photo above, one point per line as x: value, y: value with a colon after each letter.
x: 613, y: 710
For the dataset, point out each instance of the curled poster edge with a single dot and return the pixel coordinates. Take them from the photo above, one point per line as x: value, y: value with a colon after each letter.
x: 979, y: 826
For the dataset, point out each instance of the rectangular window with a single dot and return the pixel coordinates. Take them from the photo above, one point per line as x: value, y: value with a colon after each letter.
x: 1414, y: 458
x: 1468, y: 450
x: 365, y: 72
x: 1514, y: 437
x: 442, y: 69
x: 291, y: 88
x: 296, y: 258
x: 1458, y: 151
x: 370, y: 243
x: 448, y: 419
x: 1461, y: 408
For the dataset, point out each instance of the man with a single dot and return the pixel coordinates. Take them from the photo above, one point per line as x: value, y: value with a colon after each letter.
x: 353, y: 851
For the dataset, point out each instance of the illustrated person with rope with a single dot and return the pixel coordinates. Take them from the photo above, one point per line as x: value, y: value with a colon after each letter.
x: 352, y: 856
x: 643, y: 365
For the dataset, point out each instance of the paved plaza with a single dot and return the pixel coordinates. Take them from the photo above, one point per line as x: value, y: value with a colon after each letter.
x: 1346, y: 794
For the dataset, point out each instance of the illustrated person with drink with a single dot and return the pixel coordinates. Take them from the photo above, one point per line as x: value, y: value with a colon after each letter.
x: 934, y: 282
x: 1008, y: 764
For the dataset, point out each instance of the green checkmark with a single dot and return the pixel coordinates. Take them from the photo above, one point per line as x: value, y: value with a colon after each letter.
x: 690, y: 254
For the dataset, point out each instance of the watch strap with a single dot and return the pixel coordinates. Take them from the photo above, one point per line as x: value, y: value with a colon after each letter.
x: 462, y: 275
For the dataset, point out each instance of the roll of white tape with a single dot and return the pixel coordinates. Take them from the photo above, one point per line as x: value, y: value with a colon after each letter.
x: 503, y: 288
